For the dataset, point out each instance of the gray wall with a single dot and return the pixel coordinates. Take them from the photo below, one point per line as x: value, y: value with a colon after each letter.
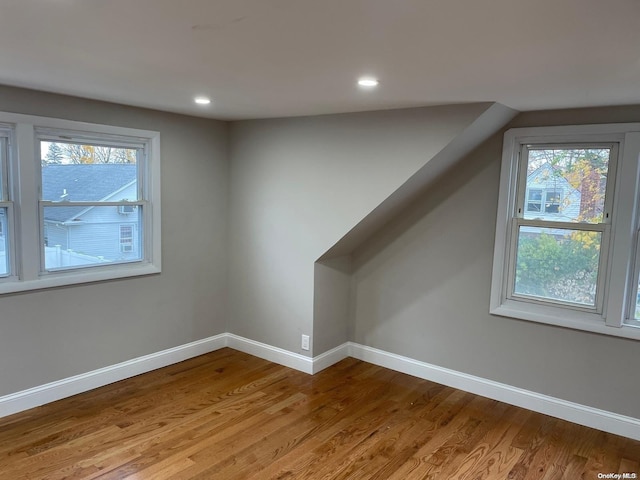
x: 53, y: 334
x: 297, y: 186
x: 331, y: 301
x: 420, y: 285
x: 420, y: 288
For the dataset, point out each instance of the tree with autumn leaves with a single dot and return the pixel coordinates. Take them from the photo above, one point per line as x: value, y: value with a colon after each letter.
x: 75, y: 153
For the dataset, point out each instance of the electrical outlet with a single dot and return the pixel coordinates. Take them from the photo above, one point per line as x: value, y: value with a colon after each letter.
x: 305, y: 342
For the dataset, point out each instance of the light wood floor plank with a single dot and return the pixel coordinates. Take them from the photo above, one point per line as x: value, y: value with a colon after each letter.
x: 227, y: 415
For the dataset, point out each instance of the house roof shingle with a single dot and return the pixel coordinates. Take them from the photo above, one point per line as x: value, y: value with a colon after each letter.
x: 82, y: 183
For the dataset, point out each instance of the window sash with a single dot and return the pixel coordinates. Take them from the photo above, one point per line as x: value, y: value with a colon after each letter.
x: 603, y: 229
x: 142, y: 184
x: 137, y: 203
x: 142, y: 206
x: 114, y: 141
x: 523, y: 160
x: 520, y: 206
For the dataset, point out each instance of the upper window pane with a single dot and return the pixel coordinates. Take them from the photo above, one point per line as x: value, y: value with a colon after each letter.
x: 566, y: 184
x: 73, y: 172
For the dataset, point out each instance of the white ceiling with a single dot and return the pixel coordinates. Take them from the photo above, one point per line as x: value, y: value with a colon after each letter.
x: 274, y: 58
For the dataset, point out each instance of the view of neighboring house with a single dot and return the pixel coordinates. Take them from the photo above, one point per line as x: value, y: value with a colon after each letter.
x: 550, y: 196
x: 90, y: 234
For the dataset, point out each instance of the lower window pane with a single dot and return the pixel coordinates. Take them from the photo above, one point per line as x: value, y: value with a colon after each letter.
x: 91, y: 236
x: 557, y: 264
x: 4, y: 244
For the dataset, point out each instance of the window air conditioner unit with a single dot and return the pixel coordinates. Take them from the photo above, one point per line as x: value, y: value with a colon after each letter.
x: 126, y: 209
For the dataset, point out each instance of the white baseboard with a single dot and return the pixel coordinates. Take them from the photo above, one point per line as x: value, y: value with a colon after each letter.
x: 287, y: 358
x: 591, y: 417
x: 273, y: 354
x: 50, y: 392
x: 573, y: 412
x: 330, y: 357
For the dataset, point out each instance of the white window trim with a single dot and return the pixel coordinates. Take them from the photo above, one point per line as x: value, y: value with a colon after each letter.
x: 621, y: 272
x: 23, y: 181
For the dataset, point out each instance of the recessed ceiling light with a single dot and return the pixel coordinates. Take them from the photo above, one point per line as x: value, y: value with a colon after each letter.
x: 368, y: 82
x: 202, y: 100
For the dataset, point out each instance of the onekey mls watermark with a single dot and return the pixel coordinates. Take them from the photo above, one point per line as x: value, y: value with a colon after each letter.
x: 618, y: 476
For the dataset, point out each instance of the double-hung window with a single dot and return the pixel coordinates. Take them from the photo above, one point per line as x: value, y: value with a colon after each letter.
x: 567, y: 249
x: 78, y: 202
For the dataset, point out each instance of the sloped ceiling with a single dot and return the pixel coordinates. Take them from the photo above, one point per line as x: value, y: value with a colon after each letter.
x: 494, y: 117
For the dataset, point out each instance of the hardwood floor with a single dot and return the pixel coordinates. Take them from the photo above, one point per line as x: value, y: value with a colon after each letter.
x: 227, y: 415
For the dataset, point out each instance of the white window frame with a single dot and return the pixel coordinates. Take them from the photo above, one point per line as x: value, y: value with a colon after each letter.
x: 23, y: 179
x: 618, y: 272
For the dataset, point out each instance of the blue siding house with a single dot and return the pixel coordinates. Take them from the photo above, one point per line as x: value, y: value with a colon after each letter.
x: 550, y: 196
x: 91, y: 234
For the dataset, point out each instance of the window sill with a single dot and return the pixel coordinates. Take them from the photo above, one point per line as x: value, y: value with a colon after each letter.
x: 55, y: 280
x: 575, y: 320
